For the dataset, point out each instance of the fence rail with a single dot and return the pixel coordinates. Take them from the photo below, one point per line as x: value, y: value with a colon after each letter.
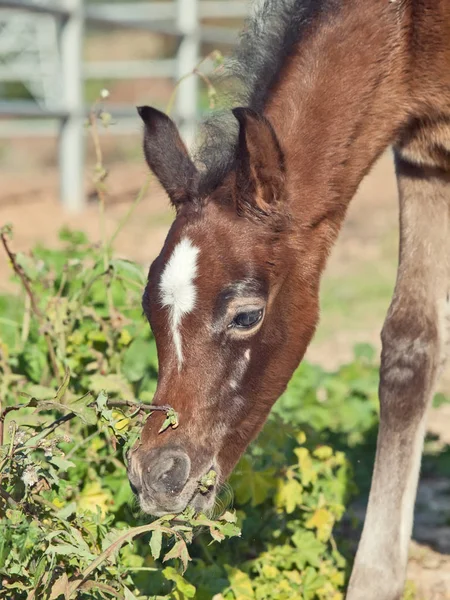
x: 181, y: 19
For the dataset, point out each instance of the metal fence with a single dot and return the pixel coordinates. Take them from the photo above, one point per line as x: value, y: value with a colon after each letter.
x: 61, y: 98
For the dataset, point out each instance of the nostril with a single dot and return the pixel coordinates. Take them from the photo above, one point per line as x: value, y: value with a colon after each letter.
x: 171, y: 473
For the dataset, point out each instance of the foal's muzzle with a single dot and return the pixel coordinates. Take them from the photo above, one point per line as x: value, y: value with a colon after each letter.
x: 163, y: 481
x: 158, y: 478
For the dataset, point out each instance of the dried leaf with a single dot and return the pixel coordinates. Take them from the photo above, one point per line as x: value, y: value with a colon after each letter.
x: 60, y: 588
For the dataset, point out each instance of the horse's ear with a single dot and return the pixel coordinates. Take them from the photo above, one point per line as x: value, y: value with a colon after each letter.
x: 167, y: 156
x: 260, y: 165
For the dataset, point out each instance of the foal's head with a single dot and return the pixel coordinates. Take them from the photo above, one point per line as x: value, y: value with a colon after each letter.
x: 232, y: 308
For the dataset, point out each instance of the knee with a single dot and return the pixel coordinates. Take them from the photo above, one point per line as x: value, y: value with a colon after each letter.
x: 409, y: 361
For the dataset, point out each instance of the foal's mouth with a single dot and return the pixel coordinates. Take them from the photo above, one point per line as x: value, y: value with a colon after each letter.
x: 199, y: 494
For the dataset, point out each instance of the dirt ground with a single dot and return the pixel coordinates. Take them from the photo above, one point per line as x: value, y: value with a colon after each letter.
x: 362, y: 264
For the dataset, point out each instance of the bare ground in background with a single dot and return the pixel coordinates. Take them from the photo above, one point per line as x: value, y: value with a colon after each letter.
x: 355, y: 292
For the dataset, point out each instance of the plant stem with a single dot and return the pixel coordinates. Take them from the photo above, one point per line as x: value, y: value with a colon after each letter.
x: 23, y: 277
x: 129, y: 535
x: 34, y: 305
x: 8, y: 499
x: 131, y: 210
x: 102, y: 173
x: 112, y: 403
x: 26, y: 320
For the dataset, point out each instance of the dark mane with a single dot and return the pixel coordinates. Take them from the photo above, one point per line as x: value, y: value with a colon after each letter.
x: 269, y: 37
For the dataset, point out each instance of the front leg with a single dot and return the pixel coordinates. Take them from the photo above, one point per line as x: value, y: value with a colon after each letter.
x: 413, y: 338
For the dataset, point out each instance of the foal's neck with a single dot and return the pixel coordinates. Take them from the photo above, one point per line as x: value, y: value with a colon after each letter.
x: 338, y: 104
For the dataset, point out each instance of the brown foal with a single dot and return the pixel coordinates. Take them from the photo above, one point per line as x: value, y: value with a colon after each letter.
x: 233, y: 297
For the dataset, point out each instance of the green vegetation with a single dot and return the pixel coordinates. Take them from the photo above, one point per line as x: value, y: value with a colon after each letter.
x: 78, y: 371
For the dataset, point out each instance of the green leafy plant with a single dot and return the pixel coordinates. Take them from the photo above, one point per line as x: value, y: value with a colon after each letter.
x: 69, y: 406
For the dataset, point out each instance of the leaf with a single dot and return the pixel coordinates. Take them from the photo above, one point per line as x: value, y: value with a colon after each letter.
x: 229, y: 517
x: 61, y: 463
x: 323, y: 521
x: 70, y: 550
x: 136, y: 360
x: 311, y: 582
x: 207, y: 481
x: 35, y: 362
x: 310, y: 549
x: 128, y: 594
x: 216, y: 534
x: 41, y: 392
x: 93, y: 496
x: 60, y: 588
x: 130, y: 269
x: 120, y: 421
x: 90, y: 585
x: 40, y: 569
x: 230, y: 530
x: 180, y: 551
x: 170, y: 421
x: 308, y: 474
x: 112, y: 384
x: 240, y: 583
x: 439, y: 399
x: 252, y: 485
x: 101, y: 400
x: 81, y: 407
x: 63, y: 387
x: 67, y: 511
x: 155, y: 543
x: 270, y: 571
x: 290, y: 495
x: 112, y: 536
x: 181, y: 584
x: 323, y: 452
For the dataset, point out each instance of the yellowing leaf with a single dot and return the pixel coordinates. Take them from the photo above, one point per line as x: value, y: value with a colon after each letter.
x: 240, y: 583
x: 125, y: 337
x: 186, y: 589
x: 269, y: 571
x: 289, y: 495
x: 57, y: 502
x: 323, y: 452
x: 293, y: 576
x: 301, y: 437
x: 60, y: 588
x: 323, y: 521
x: 307, y: 473
x: 93, y: 496
x: 121, y: 422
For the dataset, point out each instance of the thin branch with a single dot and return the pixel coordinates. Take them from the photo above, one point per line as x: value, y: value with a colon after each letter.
x: 34, y: 305
x: 23, y: 277
x: 8, y: 499
x: 116, y: 545
x: 99, y: 179
x: 138, y: 405
x: 112, y: 403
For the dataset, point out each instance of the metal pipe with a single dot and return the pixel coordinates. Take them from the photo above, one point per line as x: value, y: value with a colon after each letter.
x: 71, y: 137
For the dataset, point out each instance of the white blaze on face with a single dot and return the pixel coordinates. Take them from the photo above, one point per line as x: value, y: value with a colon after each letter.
x: 177, y: 288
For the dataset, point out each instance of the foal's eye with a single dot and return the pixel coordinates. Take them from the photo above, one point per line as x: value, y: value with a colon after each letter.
x: 245, y: 320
